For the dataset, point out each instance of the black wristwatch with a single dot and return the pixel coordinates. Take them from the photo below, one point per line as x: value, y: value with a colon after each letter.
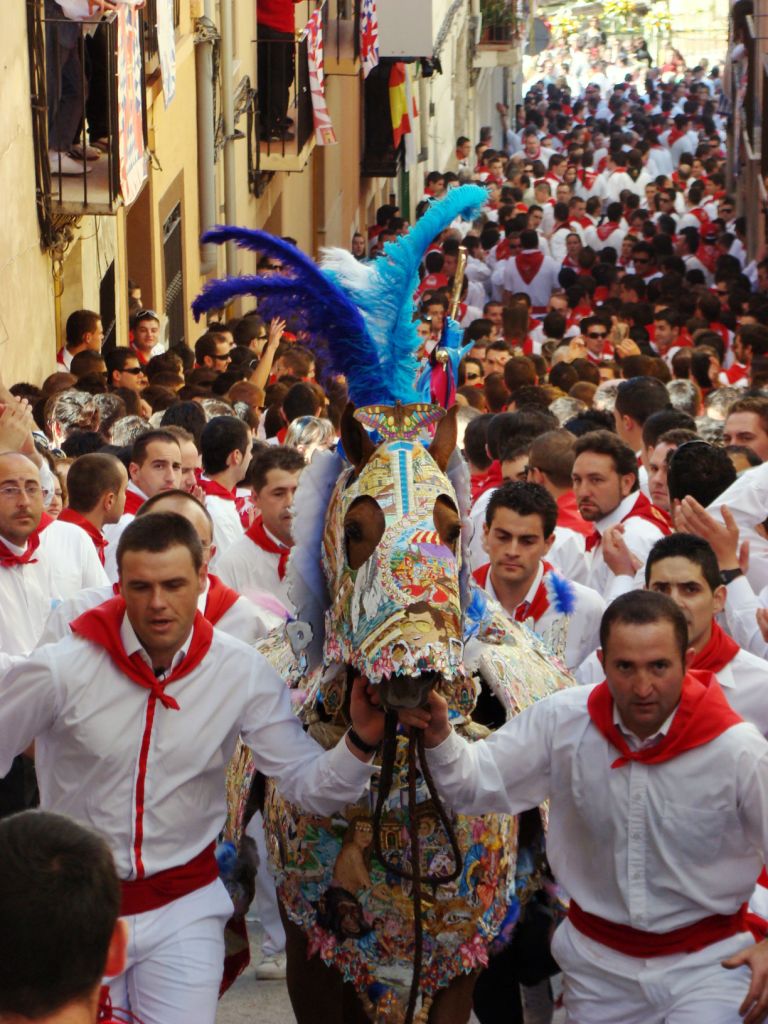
x: 728, y: 575
x: 356, y: 741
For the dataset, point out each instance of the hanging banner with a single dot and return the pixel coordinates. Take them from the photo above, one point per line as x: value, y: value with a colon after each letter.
x: 130, y: 113
x: 166, y: 48
x: 411, y: 153
x: 324, y: 133
x: 369, y: 36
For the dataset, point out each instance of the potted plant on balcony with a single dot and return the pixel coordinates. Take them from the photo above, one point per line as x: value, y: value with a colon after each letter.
x: 498, y: 21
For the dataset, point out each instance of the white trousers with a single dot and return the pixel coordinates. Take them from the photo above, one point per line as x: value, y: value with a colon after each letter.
x: 175, y: 960
x: 602, y: 986
x: 266, y: 895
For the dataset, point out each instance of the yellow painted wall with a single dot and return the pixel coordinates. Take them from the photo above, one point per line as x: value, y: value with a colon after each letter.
x: 27, y: 329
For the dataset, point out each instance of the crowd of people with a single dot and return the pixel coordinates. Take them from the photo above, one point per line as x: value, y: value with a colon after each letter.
x: 613, y: 414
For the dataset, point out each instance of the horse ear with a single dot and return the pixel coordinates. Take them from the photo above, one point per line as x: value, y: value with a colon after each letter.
x: 358, y: 447
x: 444, y: 441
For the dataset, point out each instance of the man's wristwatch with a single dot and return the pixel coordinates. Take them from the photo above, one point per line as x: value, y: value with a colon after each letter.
x: 360, y: 743
x: 727, y: 575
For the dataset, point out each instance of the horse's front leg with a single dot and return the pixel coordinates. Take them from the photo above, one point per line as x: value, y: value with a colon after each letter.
x: 318, y: 993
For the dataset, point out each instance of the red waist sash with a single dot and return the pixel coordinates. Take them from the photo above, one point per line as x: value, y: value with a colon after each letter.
x: 142, y: 894
x: 633, y: 942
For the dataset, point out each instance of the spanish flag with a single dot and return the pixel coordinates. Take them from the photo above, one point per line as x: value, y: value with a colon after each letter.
x: 398, y: 102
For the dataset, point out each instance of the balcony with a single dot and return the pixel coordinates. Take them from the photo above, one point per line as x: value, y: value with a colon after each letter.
x: 65, y: 106
x: 283, y: 99
x: 342, y: 46
x: 499, y: 42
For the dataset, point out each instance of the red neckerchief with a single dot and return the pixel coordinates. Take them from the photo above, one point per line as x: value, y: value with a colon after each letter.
x: 701, y: 216
x: 538, y: 605
x: 45, y: 522
x: 68, y: 515
x: 481, y: 482
x: 219, y: 599
x: 503, y: 251
x: 607, y: 229
x: 261, y: 538
x: 716, y: 653
x: 568, y: 262
x: 736, y: 373
x: 568, y: 515
x: 133, y: 502
x: 642, y: 509
x: 532, y: 609
x: 101, y: 626
x: 702, y: 715
x: 139, y: 354
x: 8, y: 559
x: 215, y: 490
x: 674, y: 135
x: 529, y: 263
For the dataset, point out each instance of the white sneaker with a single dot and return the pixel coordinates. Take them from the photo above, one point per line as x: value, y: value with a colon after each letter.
x: 271, y: 968
x: 63, y: 164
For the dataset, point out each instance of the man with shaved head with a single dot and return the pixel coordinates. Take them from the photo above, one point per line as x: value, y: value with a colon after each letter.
x: 222, y: 606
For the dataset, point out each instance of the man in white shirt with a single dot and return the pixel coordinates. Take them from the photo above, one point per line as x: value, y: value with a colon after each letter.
x: 221, y: 605
x: 532, y: 272
x: 658, y: 824
x: 684, y: 567
x: 225, y: 445
x: 256, y: 563
x: 518, y: 532
x: 155, y: 466
x: 605, y: 482
x: 135, y: 718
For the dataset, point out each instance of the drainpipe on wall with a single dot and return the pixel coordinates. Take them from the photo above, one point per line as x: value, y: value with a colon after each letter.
x: 228, y: 110
x: 205, y: 36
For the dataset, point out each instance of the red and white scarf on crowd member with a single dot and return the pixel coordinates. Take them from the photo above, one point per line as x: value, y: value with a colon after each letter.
x: 533, y: 609
x: 101, y: 626
x: 219, y: 599
x: 606, y: 230
x: 133, y: 501
x: 213, y: 489
x: 529, y: 263
x: 718, y: 651
x: 642, y: 509
x: 68, y: 515
x: 481, y: 482
x: 258, y: 534
x: 9, y: 558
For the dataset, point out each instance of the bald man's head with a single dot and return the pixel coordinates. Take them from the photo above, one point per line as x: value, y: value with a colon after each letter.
x: 21, y: 498
x: 186, y: 505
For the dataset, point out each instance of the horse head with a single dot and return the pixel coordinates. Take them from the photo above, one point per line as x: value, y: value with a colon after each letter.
x: 392, y: 559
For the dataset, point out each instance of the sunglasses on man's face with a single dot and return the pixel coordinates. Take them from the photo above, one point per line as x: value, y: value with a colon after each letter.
x: 135, y: 370
x: 597, y: 334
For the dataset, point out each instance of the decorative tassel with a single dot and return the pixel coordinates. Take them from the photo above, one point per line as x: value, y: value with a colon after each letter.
x: 562, y: 596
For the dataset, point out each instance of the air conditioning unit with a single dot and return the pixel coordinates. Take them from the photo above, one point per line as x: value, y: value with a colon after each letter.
x: 407, y: 28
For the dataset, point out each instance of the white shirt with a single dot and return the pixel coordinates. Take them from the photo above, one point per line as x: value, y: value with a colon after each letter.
x: 114, y: 531
x: 227, y: 528
x: 88, y: 721
x: 539, y: 289
x: 243, y: 620
x: 639, y: 536
x: 250, y: 570
x: 655, y: 846
x: 583, y: 626
x: 72, y: 560
x: 747, y: 499
x: 25, y: 602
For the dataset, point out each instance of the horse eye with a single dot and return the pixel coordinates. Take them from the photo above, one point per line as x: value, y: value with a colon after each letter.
x: 352, y: 531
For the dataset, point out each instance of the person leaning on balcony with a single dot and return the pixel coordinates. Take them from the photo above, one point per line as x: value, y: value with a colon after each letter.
x: 65, y: 83
x: 276, y: 33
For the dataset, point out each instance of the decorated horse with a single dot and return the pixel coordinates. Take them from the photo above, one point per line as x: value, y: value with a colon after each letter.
x: 391, y: 907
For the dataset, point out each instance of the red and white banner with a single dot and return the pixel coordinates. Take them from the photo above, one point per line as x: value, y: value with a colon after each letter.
x: 130, y: 115
x: 324, y: 133
x: 369, y: 36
